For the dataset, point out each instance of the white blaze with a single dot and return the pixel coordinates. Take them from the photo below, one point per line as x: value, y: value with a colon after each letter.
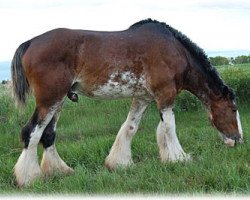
x: 239, y: 124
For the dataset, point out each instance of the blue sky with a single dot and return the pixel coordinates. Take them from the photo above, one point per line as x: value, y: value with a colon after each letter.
x: 213, y: 25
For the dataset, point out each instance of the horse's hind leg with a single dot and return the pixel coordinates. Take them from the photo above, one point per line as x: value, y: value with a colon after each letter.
x: 51, y: 160
x: 120, y: 153
x: 27, y: 167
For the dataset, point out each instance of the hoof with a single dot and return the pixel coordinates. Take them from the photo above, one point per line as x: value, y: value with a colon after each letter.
x: 26, y: 177
x: 27, y: 169
x: 68, y: 171
x: 52, y: 163
x: 183, y: 157
x: 63, y: 170
x: 113, y: 164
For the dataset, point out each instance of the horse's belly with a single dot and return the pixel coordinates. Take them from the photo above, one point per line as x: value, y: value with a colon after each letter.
x: 118, y: 91
x: 127, y: 86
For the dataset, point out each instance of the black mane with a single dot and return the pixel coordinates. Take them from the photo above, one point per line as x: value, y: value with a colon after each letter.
x: 214, y: 79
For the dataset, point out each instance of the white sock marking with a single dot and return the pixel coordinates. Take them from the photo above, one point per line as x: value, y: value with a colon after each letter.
x: 27, y: 168
x: 170, y: 148
x: 120, y: 153
x: 51, y: 162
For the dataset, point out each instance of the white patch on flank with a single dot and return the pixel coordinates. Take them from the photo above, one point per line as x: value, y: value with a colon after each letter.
x: 239, y: 124
x: 129, y: 85
x: 27, y: 168
x: 170, y: 148
x: 120, y: 153
x: 51, y: 162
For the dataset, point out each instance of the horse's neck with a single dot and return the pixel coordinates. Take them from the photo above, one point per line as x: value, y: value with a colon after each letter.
x: 196, y: 83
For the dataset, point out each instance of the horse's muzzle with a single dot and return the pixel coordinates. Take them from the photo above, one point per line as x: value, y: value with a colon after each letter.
x: 233, y: 140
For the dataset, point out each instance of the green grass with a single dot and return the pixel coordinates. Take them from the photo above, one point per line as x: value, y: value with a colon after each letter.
x: 85, y: 135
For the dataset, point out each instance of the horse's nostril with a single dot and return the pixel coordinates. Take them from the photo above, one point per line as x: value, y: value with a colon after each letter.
x: 236, y: 139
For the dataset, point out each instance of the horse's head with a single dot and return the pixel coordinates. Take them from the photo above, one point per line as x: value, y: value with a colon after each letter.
x: 225, y: 117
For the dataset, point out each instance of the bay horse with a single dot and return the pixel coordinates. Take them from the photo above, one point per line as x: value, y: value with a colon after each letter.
x: 150, y: 61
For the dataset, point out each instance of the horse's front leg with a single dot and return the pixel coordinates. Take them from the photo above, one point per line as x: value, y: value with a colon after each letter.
x: 170, y: 148
x: 120, y: 153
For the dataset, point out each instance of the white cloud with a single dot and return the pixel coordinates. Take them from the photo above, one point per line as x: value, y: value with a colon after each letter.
x: 211, y: 24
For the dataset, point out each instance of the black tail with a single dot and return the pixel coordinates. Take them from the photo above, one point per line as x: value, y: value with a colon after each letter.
x: 20, y: 84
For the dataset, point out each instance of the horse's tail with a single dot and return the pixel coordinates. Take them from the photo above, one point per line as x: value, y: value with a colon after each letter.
x: 20, y: 85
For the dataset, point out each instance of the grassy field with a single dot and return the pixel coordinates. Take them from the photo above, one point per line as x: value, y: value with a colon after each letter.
x: 85, y: 135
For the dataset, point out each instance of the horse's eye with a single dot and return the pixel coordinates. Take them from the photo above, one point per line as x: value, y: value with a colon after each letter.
x: 234, y: 109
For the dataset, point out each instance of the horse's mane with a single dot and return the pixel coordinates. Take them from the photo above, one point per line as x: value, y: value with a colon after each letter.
x: 214, y: 79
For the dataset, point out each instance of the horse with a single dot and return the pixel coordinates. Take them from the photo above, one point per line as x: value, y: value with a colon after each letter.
x: 149, y: 62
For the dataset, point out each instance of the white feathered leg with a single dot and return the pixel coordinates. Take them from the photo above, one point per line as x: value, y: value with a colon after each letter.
x: 51, y: 161
x: 170, y: 148
x: 27, y: 168
x: 120, y: 153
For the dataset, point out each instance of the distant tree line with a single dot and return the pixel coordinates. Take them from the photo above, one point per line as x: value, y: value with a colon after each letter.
x: 4, y: 82
x: 220, y: 60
